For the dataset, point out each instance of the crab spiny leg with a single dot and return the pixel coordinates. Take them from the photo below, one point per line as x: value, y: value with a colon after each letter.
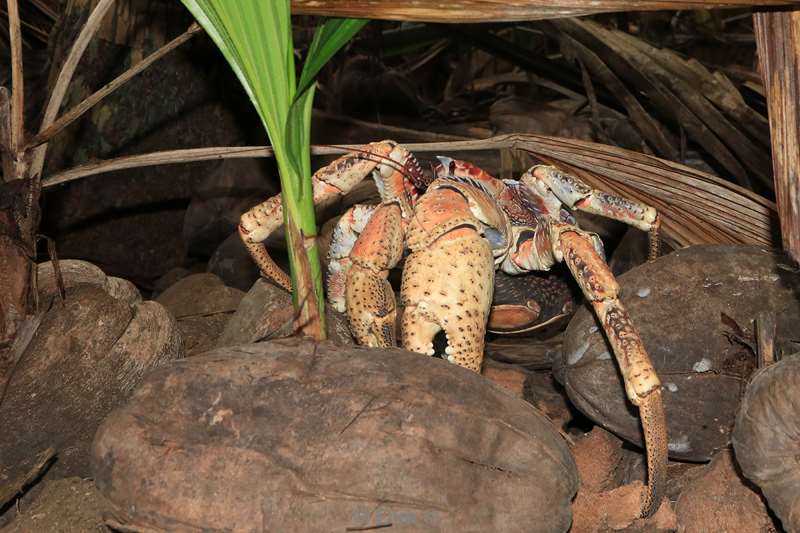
x: 329, y: 184
x: 641, y: 382
x: 574, y: 193
x: 345, y: 234
x: 369, y: 297
x: 654, y: 243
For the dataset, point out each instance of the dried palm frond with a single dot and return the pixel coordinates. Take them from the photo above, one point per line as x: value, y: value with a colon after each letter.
x: 707, y: 106
x: 497, y: 10
x: 697, y: 208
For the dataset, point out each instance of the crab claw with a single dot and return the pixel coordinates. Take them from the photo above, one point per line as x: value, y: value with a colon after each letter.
x: 448, y: 286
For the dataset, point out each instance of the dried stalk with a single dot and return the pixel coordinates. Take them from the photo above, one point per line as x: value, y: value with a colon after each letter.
x: 76, y: 112
x: 6, y: 154
x: 65, y: 77
x: 661, y: 141
x: 17, y: 79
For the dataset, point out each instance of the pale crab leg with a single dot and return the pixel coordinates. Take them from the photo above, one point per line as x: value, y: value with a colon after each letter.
x: 642, y: 385
x: 575, y: 194
x: 329, y: 184
x: 370, y: 302
x: 350, y: 225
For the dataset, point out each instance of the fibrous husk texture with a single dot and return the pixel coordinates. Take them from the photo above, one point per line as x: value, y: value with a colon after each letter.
x: 295, y: 436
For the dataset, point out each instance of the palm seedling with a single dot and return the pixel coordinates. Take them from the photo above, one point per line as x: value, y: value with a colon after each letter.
x: 256, y: 39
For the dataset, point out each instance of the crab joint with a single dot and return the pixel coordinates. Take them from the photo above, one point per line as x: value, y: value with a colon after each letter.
x: 601, y: 289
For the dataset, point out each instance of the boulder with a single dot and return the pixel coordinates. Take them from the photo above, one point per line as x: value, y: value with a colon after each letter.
x: 296, y: 436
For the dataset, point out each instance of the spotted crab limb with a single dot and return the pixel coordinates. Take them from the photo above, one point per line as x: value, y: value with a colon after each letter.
x: 369, y: 297
x: 330, y: 183
x: 575, y: 194
x: 448, y: 286
x: 350, y: 225
x: 642, y: 385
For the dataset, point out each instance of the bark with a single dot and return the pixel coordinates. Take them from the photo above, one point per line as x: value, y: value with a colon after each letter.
x: 778, y: 41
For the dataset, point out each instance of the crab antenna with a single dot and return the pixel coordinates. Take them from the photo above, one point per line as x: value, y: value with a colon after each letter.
x: 417, y: 181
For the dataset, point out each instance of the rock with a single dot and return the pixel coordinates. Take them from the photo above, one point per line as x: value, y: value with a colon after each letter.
x: 296, y: 436
x: 338, y: 326
x: 720, y: 500
x: 170, y: 278
x: 233, y: 264
x: 202, y: 305
x: 679, y: 303
x: 765, y: 437
x: 265, y: 312
x: 524, y: 351
x: 84, y: 359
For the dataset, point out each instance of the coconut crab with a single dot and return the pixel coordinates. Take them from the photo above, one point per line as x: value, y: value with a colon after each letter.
x: 459, y: 227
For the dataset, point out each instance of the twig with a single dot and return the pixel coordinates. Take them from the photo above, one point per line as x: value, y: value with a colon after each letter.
x: 778, y: 40
x: 45, y: 9
x: 765, y: 336
x: 65, y: 77
x: 6, y: 154
x: 167, y: 157
x: 76, y: 112
x: 17, y: 78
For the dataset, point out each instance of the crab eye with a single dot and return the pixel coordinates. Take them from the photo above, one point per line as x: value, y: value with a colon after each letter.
x: 447, y: 163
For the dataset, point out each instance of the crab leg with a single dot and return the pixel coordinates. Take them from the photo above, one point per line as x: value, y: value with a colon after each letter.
x: 350, y: 225
x: 641, y: 382
x: 573, y: 192
x: 369, y: 297
x: 329, y: 184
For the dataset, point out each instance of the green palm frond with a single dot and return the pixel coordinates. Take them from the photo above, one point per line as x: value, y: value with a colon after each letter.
x: 255, y: 36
